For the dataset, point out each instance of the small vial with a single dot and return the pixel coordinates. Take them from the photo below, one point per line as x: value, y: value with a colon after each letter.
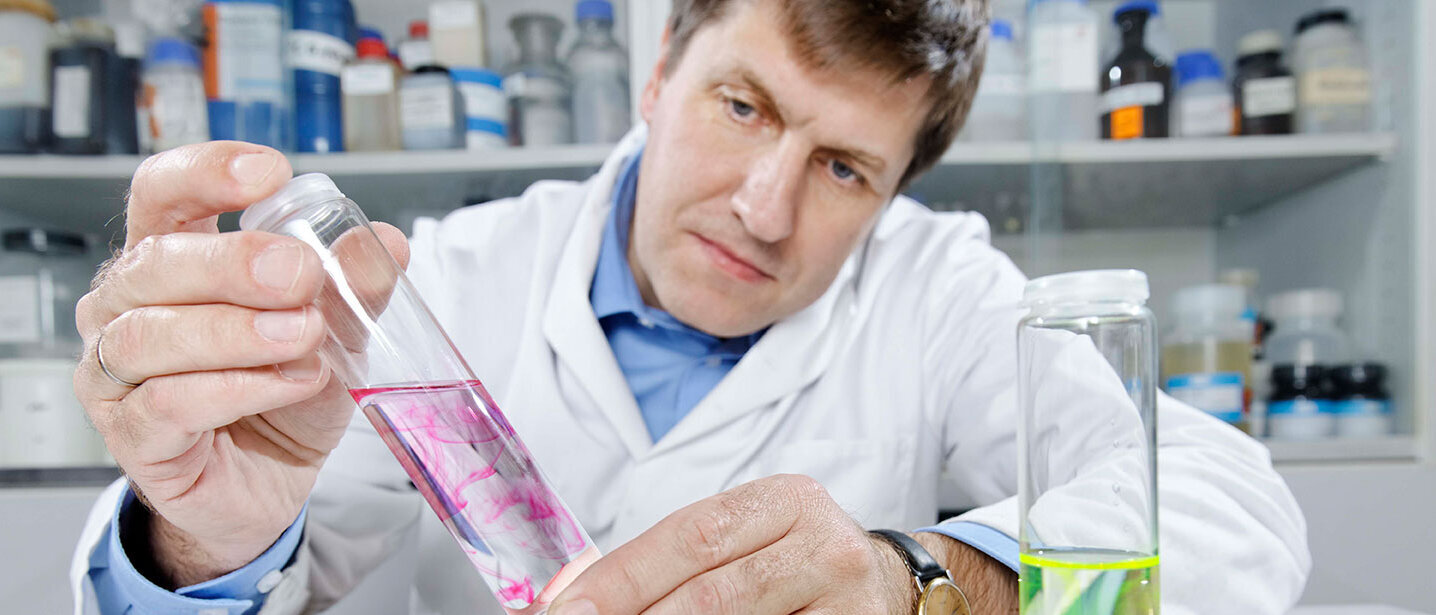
x: 385, y: 346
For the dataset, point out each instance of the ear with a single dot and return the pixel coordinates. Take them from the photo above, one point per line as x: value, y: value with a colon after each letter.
x: 654, y: 87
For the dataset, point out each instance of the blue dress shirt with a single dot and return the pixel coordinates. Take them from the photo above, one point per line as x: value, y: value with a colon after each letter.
x: 669, y: 366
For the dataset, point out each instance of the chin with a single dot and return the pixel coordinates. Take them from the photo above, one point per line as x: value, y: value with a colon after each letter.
x: 716, y: 314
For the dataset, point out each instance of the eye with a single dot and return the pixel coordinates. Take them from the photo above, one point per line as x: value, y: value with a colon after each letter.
x: 740, y: 109
x: 844, y: 172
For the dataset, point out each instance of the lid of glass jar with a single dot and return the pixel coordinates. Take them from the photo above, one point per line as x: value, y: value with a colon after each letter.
x: 41, y: 241
x: 41, y: 8
x: 299, y: 193
x: 1261, y: 41
x: 1305, y: 303
x: 1336, y: 16
x: 1103, y: 285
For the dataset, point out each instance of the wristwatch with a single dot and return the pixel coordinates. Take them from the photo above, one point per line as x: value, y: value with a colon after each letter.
x: 936, y: 593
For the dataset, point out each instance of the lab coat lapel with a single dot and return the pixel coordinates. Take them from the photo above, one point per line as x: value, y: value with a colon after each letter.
x: 570, y: 326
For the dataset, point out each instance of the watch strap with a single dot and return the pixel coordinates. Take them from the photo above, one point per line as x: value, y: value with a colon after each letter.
x: 921, y: 563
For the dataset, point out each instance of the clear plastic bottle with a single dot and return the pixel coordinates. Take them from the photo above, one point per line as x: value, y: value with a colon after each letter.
x: 1203, y: 106
x: 1207, y: 355
x: 538, y: 87
x: 371, y: 100
x: 431, y: 110
x: 1103, y: 560
x: 1305, y: 330
x: 417, y: 50
x: 1332, y: 74
x: 999, y: 109
x: 172, y: 104
x: 24, y: 75
x: 1063, y: 70
x: 384, y: 345
x: 600, y: 76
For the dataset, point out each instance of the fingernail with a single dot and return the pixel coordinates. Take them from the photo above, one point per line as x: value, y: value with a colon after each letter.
x: 278, y: 266
x: 576, y: 607
x: 251, y: 169
x: 286, y: 326
x: 302, y: 370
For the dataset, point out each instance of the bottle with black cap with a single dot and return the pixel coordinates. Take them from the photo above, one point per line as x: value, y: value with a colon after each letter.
x: 1300, y: 407
x: 1362, y: 405
x: 1265, y: 89
x: 42, y: 275
x: 1332, y: 73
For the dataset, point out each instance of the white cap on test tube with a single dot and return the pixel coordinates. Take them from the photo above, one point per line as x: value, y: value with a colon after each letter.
x: 1102, y: 285
x: 300, y: 192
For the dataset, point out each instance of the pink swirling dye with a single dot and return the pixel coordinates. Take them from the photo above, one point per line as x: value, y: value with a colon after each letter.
x: 464, y: 457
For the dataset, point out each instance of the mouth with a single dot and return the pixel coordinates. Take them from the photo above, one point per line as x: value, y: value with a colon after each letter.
x: 731, y: 263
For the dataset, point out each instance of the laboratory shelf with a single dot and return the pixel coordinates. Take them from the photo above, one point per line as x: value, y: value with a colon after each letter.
x: 1342, y: 450
x: 1140, y: 184
x: 29, y: 478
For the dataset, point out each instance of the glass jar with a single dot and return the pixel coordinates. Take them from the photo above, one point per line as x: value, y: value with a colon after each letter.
x: 42, y: 274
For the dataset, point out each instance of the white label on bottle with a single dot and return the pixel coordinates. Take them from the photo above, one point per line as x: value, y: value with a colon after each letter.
x: 1064, y: 58
x: 1002, y: 85
x: 413, y: 54
x: 246, y: 37
x: 1219, y: 394
x: 176, y: 107
x: 1335, y: 86
x: 20, y: 310
x: 12, y: 68
x: 483, y: 101
x: 453, y: 14
x: 72, y: 101
x: 1205, y: 116
x: 367, y: 79
x: 1147, y: 94
x: 1269, y: 96
x: 481, y: 139
x: 429, y: 106
x: 319, y: 52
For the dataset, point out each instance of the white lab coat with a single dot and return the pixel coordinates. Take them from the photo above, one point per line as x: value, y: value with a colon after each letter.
x: 897, y: 383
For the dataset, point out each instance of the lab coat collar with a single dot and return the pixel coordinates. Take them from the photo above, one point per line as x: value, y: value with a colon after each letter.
x: 792, y: 354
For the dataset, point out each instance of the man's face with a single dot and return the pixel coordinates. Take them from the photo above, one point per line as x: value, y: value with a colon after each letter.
x: 761, y: 175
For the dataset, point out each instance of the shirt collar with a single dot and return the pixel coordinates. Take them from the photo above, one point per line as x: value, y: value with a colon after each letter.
x: 614, y: 290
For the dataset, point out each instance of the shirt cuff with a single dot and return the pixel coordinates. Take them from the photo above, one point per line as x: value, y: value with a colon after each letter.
x: 240, y: 592
x: 995, y: 544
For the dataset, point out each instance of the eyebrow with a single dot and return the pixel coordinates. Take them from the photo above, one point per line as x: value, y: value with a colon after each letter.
x: 751, y: 81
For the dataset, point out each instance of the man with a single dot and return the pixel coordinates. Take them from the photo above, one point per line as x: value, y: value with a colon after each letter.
x: 734, y: 350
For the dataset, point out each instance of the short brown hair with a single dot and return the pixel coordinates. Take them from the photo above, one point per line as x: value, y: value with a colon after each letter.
x: 908, y: 39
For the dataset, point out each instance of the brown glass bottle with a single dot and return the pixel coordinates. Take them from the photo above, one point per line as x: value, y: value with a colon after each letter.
x: 1136, y: 85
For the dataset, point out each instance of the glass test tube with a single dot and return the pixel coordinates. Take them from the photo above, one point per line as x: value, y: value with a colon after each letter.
x: 387, y: 348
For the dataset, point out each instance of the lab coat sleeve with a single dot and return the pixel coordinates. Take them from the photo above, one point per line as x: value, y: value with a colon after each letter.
x: 1232, y: 538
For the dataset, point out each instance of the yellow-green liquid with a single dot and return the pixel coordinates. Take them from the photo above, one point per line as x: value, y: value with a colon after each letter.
x: 1088, y: 582
x: 1208, y: 357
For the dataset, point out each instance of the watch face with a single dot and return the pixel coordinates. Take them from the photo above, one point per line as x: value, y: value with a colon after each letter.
x: 941, y: 597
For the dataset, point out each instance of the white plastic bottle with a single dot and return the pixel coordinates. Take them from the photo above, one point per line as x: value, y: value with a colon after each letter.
x: 600, y: 76
x: 172, y: 107
x: 1332, y: 75
x: 999, y: 109
x: 1203, y: 106
x: 1062, y: 44
x: 371, y: 100
x: 417, y: 50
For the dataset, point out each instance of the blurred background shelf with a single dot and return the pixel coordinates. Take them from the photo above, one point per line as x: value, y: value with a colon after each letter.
x: 34, y: 478
x: 1159, y: 183
x: 1388, y: 448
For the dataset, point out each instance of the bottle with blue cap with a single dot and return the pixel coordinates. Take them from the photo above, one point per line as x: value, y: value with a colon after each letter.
x: 1136, y: 86
x: 172, y: 106
x: 1204, y: 106
x: 600, y: 76
x: 999, y: 109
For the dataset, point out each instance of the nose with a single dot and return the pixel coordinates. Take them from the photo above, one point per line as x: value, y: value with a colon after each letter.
x: 767, y: 202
